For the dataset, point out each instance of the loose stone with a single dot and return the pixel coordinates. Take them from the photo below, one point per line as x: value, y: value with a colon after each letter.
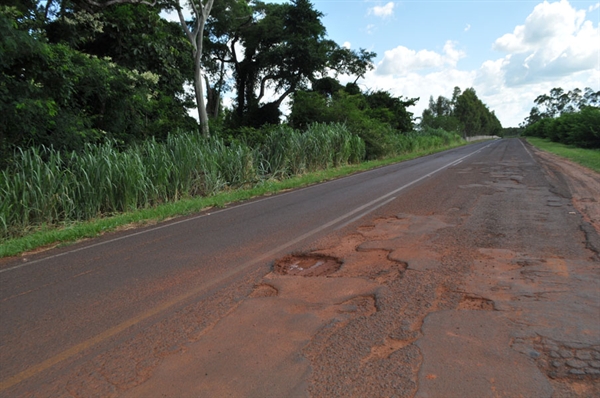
x: 566, y: 354
x: 584, y: 355
x: 554, y: 354
x: 594, y: 364
x: 578, y: 372
x: 557, y: 364
x: 576, y: 363
x: 534, y: 354
x: 591, y: 371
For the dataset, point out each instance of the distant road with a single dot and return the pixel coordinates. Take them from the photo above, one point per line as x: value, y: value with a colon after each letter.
x: 67, y: 307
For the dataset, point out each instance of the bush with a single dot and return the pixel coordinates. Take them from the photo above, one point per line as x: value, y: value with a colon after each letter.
x: 578, y: 129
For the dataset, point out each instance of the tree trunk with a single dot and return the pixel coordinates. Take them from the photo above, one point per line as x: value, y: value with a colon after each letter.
x: 202, y: 115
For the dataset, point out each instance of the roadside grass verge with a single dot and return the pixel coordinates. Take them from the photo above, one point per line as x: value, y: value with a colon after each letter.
x: 589, y: 158
x: 49, y: 236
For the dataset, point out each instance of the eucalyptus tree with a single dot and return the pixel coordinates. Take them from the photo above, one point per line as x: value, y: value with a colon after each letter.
x: 194, y: 32
x: 558, y: 102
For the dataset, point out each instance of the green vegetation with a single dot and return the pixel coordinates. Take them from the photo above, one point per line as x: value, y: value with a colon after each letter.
x: 569, y: 118
x: 465, y: 114
x: 49, y: 187
x: 589, y: 158
x: 511, y: 132
x: 95, y: 99
x: 62, y: 231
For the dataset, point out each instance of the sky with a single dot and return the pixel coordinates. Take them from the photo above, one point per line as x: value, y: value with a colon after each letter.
x: 509, y: 51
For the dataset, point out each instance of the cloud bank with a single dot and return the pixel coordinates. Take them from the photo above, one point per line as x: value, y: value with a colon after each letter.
x: 556, y: 46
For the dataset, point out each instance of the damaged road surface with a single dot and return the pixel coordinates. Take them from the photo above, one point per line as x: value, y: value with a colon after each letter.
x: 470, y: 273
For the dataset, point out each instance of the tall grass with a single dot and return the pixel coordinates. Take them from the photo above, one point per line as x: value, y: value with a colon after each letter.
x: 417, y: 141
x: 43, y: 186
x: 46, y: 187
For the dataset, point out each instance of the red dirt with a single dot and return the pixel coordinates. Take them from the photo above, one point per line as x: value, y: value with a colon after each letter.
x: 488, y: 287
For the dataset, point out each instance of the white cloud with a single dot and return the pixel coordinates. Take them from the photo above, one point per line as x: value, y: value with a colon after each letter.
x: 347, y: 45
x: 468, y: 27
x: 402, y: 60
x: 555, y: 47
x: 556, y: 40
x: 385, y: 11
x: 420, y: 85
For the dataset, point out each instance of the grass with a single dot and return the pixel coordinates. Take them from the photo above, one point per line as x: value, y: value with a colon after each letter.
x: 589, y: 158
x: 46, y: 236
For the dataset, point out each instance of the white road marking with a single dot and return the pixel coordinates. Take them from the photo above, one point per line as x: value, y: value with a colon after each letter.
x: 527, y: 150
x: 308, y: 234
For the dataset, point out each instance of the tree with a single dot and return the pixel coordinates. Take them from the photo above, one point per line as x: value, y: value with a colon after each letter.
x: 559, y: 102
x: 441, y: 113
x: 137, y: 38
x: 194, y: 31
x: 54, y: 95
x: 474, y: 115
x: 283, y: 49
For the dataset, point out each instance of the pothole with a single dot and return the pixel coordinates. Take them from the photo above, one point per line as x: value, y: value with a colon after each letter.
x: 264, y: 290
x: 307, y: 265
x: 475, y: 303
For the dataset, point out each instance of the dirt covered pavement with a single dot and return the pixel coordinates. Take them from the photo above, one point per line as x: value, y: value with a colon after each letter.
x: 482, y: 281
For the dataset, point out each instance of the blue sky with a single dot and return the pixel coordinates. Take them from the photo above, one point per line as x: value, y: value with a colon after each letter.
x: 509, y: 51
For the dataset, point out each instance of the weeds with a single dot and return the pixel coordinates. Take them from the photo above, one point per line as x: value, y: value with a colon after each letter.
x: 45, y: 187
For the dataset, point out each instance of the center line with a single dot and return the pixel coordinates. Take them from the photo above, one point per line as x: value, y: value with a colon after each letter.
x: 78, y: 348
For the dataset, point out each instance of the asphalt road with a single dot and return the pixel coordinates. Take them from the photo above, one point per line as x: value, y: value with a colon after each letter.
x: 98, y: 317
x: 60, y: 303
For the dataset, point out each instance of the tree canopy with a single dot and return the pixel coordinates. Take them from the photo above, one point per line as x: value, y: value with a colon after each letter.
x: 570, y: 117
x: 465, y: 113
x: 82, y: 71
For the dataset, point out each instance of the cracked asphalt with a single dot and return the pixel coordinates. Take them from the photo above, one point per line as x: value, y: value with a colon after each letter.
x: 480, y: 280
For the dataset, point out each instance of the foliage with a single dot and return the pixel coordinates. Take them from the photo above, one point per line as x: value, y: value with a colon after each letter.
x: 47, y: 186
x: 571, y: 117
x: 376, y: 117
x: 559, y: 102
x: 586, y: 157
x: 54, y: 95
x: 464, y: 113
x: 135, y: 37
x: 74, y: 231
x: 580, y: 129
x: 511, y: 132
x: 284, y: 49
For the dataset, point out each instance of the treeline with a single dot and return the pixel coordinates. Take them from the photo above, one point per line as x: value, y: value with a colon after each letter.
x: 464, y: 113
x: 49, y: 187
x: 571, y: 118
x: 95, y: 105
x: 78, y: 72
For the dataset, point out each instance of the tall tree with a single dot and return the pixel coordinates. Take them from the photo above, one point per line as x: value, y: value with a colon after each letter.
x: 278, y: 50
x: 558, y: 102
x: 194, y: 31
